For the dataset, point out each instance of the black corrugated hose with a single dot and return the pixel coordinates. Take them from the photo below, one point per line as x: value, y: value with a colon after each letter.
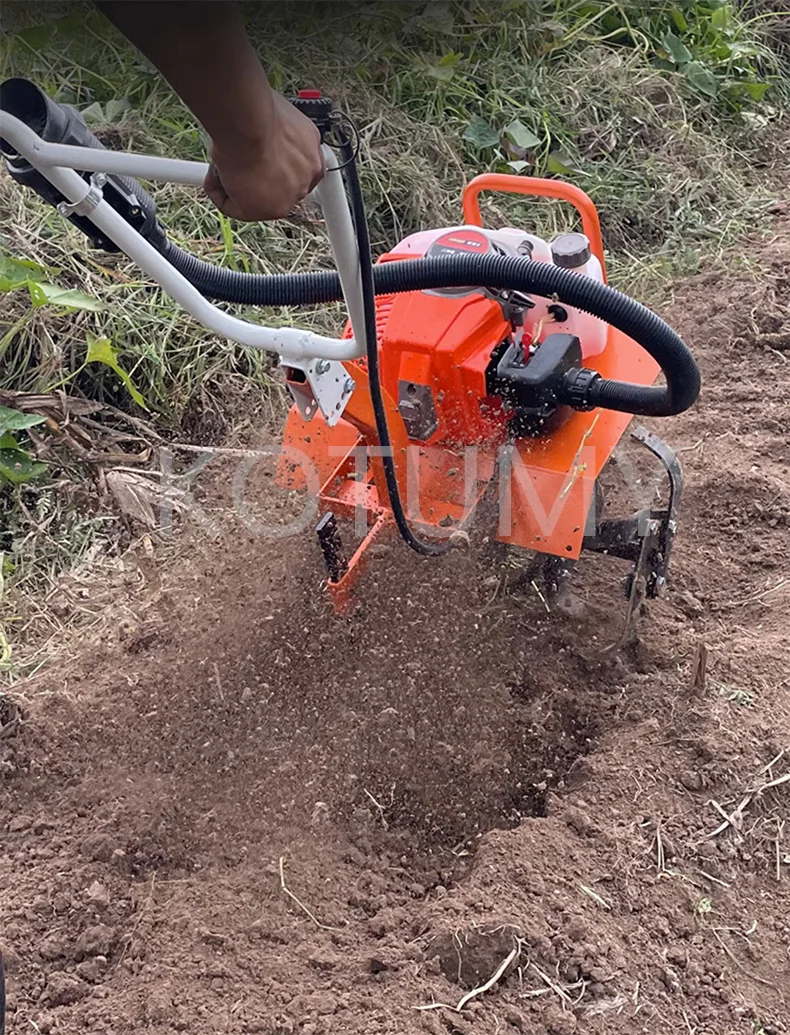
x: 59, y: 123
x: 493, y: 271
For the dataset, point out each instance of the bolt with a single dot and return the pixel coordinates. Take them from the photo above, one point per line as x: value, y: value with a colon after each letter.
x: 322, y: 366
x: 99, y: 180
x: 63, y: 209
x: 349, y: 386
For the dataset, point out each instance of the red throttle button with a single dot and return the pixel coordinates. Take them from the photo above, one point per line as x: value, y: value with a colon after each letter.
x: 316, y: 107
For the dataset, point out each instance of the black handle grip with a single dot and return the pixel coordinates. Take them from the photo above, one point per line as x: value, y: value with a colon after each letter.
x: 62, y: 124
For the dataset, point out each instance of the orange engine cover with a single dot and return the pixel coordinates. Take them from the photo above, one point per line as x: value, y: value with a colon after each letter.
x: 434, y: 354
x: 435, y: 347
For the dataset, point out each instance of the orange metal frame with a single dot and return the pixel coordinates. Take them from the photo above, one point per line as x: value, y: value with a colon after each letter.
x: 546, y: 484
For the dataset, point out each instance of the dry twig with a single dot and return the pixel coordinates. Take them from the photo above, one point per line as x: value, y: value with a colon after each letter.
x: 302, y: 906
x: 495, y: 977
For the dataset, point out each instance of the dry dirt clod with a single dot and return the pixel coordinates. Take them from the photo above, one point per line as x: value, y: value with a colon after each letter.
x: 62, y: 989
x: 692, y: 780
x: 97, y: 940
x: 99, y: 847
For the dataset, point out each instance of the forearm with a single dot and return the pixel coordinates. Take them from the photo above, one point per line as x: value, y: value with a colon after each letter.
x: 202, y: 49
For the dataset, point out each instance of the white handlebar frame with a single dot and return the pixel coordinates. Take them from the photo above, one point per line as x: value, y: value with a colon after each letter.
x: 59, y: 162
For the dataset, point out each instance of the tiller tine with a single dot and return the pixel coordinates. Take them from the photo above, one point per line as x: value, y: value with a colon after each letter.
x: 645, y: 537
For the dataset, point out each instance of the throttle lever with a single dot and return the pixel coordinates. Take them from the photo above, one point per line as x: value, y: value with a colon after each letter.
x: 316, y: 107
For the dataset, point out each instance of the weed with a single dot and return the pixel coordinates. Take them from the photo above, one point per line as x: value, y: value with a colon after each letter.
x: 743, y: 698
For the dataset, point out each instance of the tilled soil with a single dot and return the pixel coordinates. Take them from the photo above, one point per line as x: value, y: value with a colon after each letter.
x: 227, y: 810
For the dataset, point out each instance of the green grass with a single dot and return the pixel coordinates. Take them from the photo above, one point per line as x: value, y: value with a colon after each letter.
x: 668, y: 114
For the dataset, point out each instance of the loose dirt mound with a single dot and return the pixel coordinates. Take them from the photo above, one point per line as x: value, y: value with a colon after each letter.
x: 232, y: 811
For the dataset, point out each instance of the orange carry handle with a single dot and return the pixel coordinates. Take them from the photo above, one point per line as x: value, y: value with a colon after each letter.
x: 539, y: 188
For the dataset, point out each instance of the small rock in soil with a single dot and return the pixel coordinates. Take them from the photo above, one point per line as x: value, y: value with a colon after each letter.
x: 98, y: 896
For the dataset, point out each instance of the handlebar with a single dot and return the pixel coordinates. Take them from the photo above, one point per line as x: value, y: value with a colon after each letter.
x: 50, y: 167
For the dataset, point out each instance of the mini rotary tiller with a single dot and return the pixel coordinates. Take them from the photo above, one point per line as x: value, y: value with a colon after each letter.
x: 471, y: 358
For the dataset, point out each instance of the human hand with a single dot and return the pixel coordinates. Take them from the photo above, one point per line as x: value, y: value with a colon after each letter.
x: 266, y: 175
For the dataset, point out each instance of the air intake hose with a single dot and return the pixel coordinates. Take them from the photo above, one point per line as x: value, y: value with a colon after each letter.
x: 493, y: 271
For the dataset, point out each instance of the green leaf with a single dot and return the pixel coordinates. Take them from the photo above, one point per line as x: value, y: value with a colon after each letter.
x: 94, y: 113
x: 755, y: 90
x: 100, y: 350
x: 15, y: 273
x: 721, y: 18
x: 37, y: 36
x: 43, y: 293
x: 676, y: 49
x: 522, y: 136
x: 15, y: 420
x: 680, y: 22
x: 481, y: 133
x: 116, y: 108
x: 17, y: 466
x: 518, y: 167
x: 560, y: 164
x: 701, y: 78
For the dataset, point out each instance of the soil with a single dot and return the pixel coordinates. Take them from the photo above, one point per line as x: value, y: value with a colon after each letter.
x: 227, y: 810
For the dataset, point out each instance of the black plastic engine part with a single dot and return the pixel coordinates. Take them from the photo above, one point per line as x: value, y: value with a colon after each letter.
x: 533, y: 381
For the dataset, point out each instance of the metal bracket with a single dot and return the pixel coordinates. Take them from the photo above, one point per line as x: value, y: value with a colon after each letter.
x: 89, y: 202
x: 319, y: 384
